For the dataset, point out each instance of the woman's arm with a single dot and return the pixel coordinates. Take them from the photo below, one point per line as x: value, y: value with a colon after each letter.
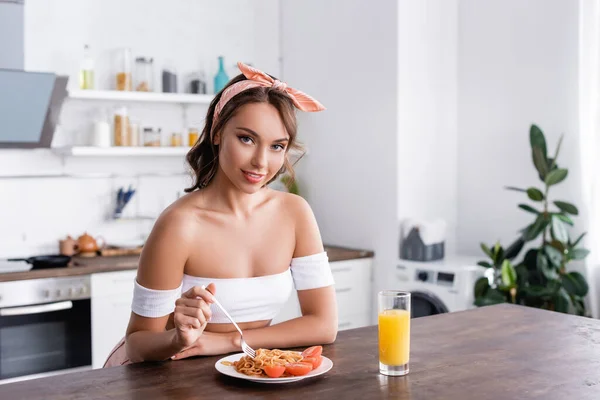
x: 161, y: 268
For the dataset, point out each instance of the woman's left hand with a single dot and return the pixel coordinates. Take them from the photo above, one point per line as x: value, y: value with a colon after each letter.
x: 210, y: 344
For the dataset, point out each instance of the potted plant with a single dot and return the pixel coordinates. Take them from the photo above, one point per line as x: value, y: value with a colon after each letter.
x: 541, y: 278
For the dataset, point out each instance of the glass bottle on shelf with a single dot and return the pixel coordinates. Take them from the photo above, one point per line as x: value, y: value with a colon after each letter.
x: 123, y: 69
x: 221, y: 78
x: 86, y: 71
x: 151, y: 137
x: 193, y: 136
x: 144, y: 74
x: 121, y: 127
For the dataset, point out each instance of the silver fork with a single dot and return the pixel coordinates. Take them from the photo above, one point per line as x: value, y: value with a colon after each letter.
x: 250, y: 352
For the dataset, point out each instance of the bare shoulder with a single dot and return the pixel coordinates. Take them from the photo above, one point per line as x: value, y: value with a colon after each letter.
x: 180, y: 218
x: 168, y: 247
x: 308, y: 237
x: 295, y: 204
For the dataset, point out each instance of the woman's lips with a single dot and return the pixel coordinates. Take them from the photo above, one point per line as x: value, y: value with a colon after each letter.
x: 253, y: 177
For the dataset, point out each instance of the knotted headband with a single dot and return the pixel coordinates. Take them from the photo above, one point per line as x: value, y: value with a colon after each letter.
x: 257, y: 78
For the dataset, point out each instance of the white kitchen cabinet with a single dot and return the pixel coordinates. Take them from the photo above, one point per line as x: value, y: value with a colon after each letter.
x: 112, y: 293
x: 353, y: 294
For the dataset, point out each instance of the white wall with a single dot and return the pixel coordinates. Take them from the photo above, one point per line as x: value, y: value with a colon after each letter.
x: 351, y: 67
x: 427, y: 113
x: 518, y: 64
x: 386, y: 147
x: 35, y: 213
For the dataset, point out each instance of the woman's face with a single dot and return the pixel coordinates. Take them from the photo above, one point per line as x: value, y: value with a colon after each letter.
x: 252, y: 144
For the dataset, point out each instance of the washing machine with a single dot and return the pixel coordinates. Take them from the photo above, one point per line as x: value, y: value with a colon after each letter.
x: 439, y: 286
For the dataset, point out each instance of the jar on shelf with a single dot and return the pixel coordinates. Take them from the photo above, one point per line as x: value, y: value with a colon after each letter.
x: 134, y: 134
x: 144, y: 74
x: 123, y: 69
x: 121, y: 127
x: 193, y: 136
x: 151, y: 137
x: 176, y: 140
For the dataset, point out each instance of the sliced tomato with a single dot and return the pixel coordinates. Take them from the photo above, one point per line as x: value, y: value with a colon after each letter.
x: 299, y: 368
x: 274, y: 371
x: 315, y: 361
x: 312, y: 351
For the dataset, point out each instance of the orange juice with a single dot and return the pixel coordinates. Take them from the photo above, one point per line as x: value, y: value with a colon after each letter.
x: 394, y: 337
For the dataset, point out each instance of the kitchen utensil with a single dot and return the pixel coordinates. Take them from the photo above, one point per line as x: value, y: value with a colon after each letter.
x: 123, y: 198
x: 49, y: 261
x: 245, y: 347
x: 87, y: 245
x: 68, y: 246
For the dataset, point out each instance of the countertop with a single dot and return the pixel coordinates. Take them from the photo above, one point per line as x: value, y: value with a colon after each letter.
x: 92, y: 265
x: 494, y: 353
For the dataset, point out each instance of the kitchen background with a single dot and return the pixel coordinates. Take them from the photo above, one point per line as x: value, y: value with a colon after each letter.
x: 428, y: 113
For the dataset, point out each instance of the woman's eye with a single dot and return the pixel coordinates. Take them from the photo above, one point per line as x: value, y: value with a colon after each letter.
x: 278, y: 147
x: 245, y: 139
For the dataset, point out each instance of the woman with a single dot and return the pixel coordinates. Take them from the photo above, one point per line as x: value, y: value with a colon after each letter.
x: 246, y: 243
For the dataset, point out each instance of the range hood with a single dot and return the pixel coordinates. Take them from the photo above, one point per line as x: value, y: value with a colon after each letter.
x: 30, y: 104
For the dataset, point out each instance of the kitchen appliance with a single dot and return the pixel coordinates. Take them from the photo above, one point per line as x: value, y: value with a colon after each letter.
x: 30, y: 104
x: 45, y: 327
x: 440, y: 286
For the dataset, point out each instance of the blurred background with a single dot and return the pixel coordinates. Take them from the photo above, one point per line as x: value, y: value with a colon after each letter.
x: 434, y: 108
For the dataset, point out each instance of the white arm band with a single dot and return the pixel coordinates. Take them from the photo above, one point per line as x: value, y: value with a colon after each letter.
x: 153, y: 303
x: 311, y: 272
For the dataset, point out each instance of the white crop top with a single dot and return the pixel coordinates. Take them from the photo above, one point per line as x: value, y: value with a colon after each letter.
x: 246, y: 299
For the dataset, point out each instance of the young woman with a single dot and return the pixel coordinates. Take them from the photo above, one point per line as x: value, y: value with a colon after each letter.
x: 247, y: 244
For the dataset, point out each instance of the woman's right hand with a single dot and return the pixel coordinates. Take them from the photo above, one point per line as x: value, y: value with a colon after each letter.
x: 192, y: 313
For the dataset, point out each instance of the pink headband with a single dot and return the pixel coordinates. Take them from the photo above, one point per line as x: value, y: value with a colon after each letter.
x: 256, y: 78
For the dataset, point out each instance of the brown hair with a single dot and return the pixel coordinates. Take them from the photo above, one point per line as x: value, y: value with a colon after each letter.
x: 203, y: 158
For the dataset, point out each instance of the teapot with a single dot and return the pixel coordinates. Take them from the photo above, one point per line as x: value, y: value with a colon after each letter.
x: 87, y: 245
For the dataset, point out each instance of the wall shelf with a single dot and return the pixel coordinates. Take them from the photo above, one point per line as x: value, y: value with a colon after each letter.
x: 141, y: 97
x: 84, y: 151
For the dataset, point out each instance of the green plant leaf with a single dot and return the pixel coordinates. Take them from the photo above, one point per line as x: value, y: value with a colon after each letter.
x: 536, y: 138
x: 562, y: 302
x: 540, y: 162
x: 487, y: 250
x: 536, y: 291
x: 566, y: 207
x: 578, y: 239
x: 481, y: 287
x: 516, y: 189
x: 536, y: 228
x: 554, y: 256
x: 579, y: 254
x: 528, y: 208
x: 485, y: 264
x: 491, y: 297
x: 545, y: 267
x: 575, y: 283
x: 558, y: 230
x: 509, y: 275
x: 535, y: 194
x: 514, y: 249
x: 556, y: 176
x: 564, y: 218
x: 552, y: 161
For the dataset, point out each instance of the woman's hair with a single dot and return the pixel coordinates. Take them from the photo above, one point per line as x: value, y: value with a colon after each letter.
x: 203, y: 158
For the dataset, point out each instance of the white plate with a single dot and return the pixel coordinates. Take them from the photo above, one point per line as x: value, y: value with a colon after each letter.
x: 325, y: 366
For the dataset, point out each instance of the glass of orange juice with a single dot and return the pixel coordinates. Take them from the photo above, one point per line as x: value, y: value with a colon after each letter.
x: 393, y: 307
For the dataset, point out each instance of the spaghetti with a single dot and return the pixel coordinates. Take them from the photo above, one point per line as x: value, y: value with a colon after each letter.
x: 256, y: 366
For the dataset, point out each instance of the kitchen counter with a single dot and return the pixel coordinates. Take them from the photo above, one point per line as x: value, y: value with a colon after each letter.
x: 92, y: 265
x: 495, y: 353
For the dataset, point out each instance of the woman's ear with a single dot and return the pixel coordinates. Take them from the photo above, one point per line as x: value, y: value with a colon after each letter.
x: 217, y: 139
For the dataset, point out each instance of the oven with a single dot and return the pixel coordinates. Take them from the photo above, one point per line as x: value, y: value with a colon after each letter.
x: 45, y: 327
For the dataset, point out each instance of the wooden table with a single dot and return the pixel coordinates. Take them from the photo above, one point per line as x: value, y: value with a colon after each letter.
x: 499, y: 352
